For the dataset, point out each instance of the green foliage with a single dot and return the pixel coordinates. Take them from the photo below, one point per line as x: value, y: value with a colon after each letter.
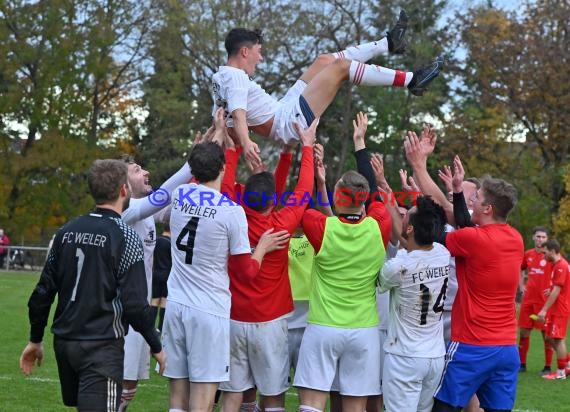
x: 47, y: 187
x: 562, y: 219
x: 521, y: 100
x: 91, y: 71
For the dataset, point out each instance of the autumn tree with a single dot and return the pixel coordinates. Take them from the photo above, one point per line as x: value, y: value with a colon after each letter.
x: 514, y: 91
x: 169, y: 97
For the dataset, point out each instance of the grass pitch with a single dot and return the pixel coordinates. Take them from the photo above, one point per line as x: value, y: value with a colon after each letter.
x: 41, y: 392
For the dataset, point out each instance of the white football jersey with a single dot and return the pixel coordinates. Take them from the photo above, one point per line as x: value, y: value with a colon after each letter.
x: 206, y: 229
x: 146, y: 230
x: 232, y: 89
x: 139, y: 215
x: 383, y: 298
x: 417, y: 283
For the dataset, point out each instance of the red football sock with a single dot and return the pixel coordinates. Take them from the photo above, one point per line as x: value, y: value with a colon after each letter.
x: 524, y: 343
x: 548, y: 352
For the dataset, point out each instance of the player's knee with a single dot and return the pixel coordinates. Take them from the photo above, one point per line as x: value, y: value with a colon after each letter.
x: 325, y: 59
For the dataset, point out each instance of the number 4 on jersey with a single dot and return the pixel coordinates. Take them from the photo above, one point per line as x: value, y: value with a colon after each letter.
x: 189, y: 229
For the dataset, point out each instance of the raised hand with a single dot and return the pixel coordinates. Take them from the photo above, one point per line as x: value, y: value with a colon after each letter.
x: 320, y: 171
x: 408, y: 183
x: 258, y: 168
x: 207, y: 137
x: 428, y: 139
x: 219, y: 136
x: 446, y: 177
x: 251, y: 151
x: 308, y: 136
x: 360, y: 125
x: 377, y: 162
x: 458, y: 174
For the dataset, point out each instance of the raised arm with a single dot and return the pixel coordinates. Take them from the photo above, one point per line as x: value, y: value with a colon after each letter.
x: 290, y: 216
x: 156, y: 200
x: 377, y: 164
x: 417, y: 151
x: 232, y: 156
x: 282, y: 169
x: 460, y: 211
x: 250, y: 148
x: 323, y: 202
x: 363, y: 166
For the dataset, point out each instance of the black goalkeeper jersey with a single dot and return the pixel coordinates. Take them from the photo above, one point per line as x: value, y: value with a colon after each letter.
x: 96, y: 268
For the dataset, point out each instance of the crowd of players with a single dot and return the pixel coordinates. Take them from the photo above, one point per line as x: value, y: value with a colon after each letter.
x: 360, y: 301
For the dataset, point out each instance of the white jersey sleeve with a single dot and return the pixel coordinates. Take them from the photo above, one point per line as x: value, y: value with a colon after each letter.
x: 144, y: 207
x: 392, y: 272
x: 239, y: 239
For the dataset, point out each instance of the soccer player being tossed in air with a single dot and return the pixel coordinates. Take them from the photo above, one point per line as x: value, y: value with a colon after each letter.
x: 249, y: 107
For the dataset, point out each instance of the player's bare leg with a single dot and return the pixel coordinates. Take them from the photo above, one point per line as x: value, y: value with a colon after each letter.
x: 315, y: 400
x: 273, y: 401
x: 202, y: 396
x: 231, y: 401
x: 179, y: 394
x: 473, y: 405
x: 335, y: 401
x: 353, y: 403
x: 248, y: 403
x: 394, y: 43
x: 374, y: 403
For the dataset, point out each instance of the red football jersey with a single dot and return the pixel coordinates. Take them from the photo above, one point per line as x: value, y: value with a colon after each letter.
x: 488, y: 260
x: 538, y: 271
x: 268, y: 296
x: 561, y: 277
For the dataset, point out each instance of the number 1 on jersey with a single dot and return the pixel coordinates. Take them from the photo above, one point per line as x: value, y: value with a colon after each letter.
x: 80, y: 259
x: 189, y: 229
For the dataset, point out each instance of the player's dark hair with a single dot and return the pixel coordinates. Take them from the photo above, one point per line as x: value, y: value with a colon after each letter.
x: 351, y: 184
x: 105, y: 179
x: 552, y: 244
x: 539, y: 229
x: 206, y: 161
x: 501, y: 195
x: 260, y: 191
x: 240, y: 37
x: 428, y: 220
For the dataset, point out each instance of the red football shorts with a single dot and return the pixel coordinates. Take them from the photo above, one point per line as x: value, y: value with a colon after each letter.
x: 556, y: 326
